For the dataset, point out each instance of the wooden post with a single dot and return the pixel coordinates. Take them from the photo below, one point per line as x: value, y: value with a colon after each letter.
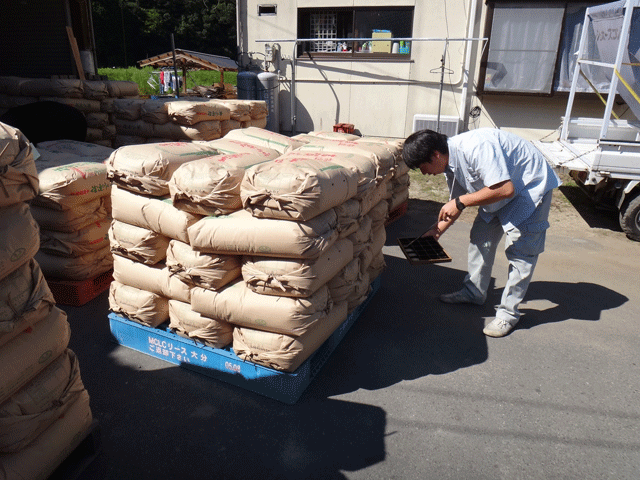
x: 76, y: 52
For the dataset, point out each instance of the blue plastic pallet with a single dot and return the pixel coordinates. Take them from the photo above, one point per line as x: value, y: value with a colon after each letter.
x: 223, y: 364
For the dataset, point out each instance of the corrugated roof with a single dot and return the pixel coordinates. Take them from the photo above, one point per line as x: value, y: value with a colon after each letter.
x: 191, y: 61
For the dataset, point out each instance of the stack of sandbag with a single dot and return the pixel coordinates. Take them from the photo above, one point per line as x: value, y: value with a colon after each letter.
x: 94, y: 98
x: 291, y: 247
x: 377, y: 162
x: 140, y: 121
x: 73, y: 210
x: 400, y: 181
x: 154, y: 266
x: 244, y: 114
x: 44, y: 406
x: 211, y: 185
x: 256, y: 244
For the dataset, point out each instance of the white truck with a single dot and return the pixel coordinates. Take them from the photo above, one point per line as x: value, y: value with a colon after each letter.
x: 602, y: 155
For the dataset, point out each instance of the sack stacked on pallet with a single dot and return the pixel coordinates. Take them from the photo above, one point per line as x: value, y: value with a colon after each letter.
x: 161, y: 190
x: 43, y: 404
x: 288, y: 236
x: 140, y: 121
x: 400, y: 182
x: 263, y: 271
x: 94, y: 98
x: 377, y: 157
x: 73, y: 210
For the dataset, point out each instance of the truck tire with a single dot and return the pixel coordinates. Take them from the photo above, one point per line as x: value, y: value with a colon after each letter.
x: 630, y: 217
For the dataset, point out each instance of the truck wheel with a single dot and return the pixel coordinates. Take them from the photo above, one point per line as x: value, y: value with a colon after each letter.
x: 630, y: 217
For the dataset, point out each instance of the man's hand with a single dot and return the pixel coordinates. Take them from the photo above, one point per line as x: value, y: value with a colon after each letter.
x: 449, y: 212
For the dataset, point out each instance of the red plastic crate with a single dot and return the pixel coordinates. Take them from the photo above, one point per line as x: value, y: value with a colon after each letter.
x: 344, y: 127
x: 397, y: 212
x: 78, y: 292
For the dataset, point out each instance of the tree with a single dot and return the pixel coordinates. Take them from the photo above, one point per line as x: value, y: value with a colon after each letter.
x: 129, y: 31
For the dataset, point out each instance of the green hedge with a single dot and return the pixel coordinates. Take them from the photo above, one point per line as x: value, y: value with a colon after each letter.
x: 142, y: 75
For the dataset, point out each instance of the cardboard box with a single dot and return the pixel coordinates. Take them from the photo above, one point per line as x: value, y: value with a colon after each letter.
x: 378, y: 46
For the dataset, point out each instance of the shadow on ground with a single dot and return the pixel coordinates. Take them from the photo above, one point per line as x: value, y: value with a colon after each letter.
x: 158, y: 420
x: 576, y: 301
x: 595, y: 215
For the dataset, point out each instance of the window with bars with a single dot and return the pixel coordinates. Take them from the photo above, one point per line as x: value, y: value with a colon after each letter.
x: 331, y: 25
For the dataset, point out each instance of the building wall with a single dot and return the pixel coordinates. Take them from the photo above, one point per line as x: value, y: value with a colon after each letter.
x: 381, y: 97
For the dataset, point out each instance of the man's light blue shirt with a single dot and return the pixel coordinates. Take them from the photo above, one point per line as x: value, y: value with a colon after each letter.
x: 485, y: 157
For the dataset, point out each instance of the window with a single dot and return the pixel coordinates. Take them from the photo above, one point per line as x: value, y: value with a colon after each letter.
x: 332, y: 25
x: 266, y: 10
x: 531, y: 47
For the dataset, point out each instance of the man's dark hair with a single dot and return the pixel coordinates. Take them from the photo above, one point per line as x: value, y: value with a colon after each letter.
x: 420, y: 146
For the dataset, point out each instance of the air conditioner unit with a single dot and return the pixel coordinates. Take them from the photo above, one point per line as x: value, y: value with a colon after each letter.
x: 448, y: 123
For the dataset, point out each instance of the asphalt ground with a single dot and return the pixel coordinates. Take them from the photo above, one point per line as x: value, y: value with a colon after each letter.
x: 414, y: 391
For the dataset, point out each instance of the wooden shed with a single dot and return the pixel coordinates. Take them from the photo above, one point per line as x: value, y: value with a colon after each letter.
x: 186, y: 60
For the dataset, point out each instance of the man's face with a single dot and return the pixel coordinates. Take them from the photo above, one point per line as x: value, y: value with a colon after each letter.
x: 437, y: 165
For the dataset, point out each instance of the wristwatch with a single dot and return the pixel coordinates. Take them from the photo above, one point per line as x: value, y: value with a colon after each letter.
x: 459, y: 205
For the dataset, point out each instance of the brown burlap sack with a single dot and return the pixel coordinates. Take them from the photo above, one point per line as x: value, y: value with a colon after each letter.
x: 26, y: 355
x: 381, y: 192
x: 227, y: 125
x: 334, y: 135
x: 54, y: 153
x: 137, y: 243
x: 206, y: 270
x: 122, y: 88
x: 242, y: 233
x: 128, y: 108
x: 286, y: 352
x: 134, y: 128
x: 82, y: 267
x: 190, y: 112
x: 239, y: 305
x: 18, y: 174
x: 20, y: 237
x: 228, y: 146
x: 151, y: 278
x: 63, y: 187
x: 211, y: 185
x: 11, y: 85
x: 189, y: 324
x: 377, y: 266
x: 292, y: 277
x: 74, y: 219
x: 361, y: 237
x: 146, y: 308
x: 297, y: 189
x: 360, y: 292
x: 342, y: 284
x: 379, y: 214
x: 155, y: 111
x: 45, y: 87
x: 365, y: 167
x: 38, y: 404
x: 398, y: 198
x: 264, y: 138
x: 94, y: 89
x: 239, y: 110
x: 40, y: 458
x: 154, y: 213
x: 84, y: 241
x: 348, y: 217
x: 148, y: 168
x: 380, y: 154
x: 25, y: 299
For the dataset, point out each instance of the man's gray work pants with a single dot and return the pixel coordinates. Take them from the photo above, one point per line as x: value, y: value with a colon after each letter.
x: 522, y: 247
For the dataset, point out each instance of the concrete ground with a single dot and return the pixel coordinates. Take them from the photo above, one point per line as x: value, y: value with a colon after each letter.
x: 414, y: 391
